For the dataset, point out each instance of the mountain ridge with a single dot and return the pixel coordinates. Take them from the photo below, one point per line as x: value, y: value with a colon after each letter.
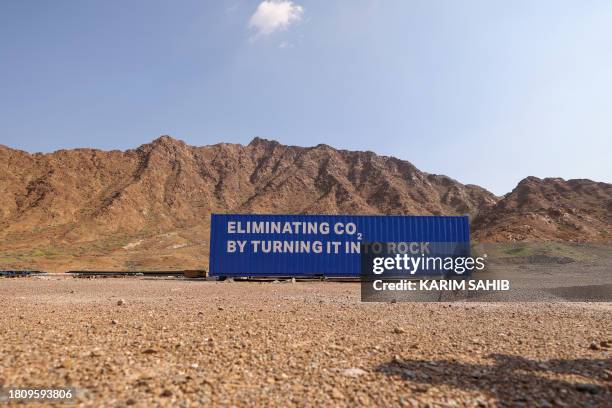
x: 150, y: 206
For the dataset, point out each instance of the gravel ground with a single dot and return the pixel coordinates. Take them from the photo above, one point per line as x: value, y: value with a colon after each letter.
x: 170, y: 342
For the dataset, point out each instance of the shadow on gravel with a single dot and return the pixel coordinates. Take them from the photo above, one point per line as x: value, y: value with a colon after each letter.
x: 514, y: 380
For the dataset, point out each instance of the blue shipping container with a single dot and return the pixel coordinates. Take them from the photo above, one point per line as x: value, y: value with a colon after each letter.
x: 329, y: 245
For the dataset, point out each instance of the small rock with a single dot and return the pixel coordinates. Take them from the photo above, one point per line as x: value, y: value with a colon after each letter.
x: 130, y: 401
x: 594, y: 346
x: 180, y: 379
x: 407, y: 374
x: 480, y: 402
x: 586, y: 387
x: 149, y: 351
x: 354, y: 372
x: 399, y: 330
x: 114, y: 321
x: 544, y: 404
x: 220, y: 308
x: 120, y: 302
x: 293, y: 280
x: 421, y: 388
x: 65, y: 364
x: 336, y: 394
x: 166, y: 393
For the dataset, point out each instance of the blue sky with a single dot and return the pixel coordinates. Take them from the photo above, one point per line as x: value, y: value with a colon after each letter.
x: 487, y: 92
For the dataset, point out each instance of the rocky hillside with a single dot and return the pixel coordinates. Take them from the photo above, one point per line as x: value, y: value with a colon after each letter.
x: 150, y: 207
x: 549, y: 209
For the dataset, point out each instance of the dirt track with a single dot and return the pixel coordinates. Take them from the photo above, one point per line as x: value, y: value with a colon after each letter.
x: 187, y: 343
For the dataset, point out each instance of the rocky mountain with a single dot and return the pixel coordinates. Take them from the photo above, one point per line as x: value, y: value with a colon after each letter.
x: 549, y: 209
x: 150, y: 207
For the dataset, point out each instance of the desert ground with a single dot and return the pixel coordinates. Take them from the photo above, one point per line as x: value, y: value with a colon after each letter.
x: 176, y: 342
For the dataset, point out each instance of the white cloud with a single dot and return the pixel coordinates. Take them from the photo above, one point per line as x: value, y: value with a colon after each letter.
x: 275, y: 15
